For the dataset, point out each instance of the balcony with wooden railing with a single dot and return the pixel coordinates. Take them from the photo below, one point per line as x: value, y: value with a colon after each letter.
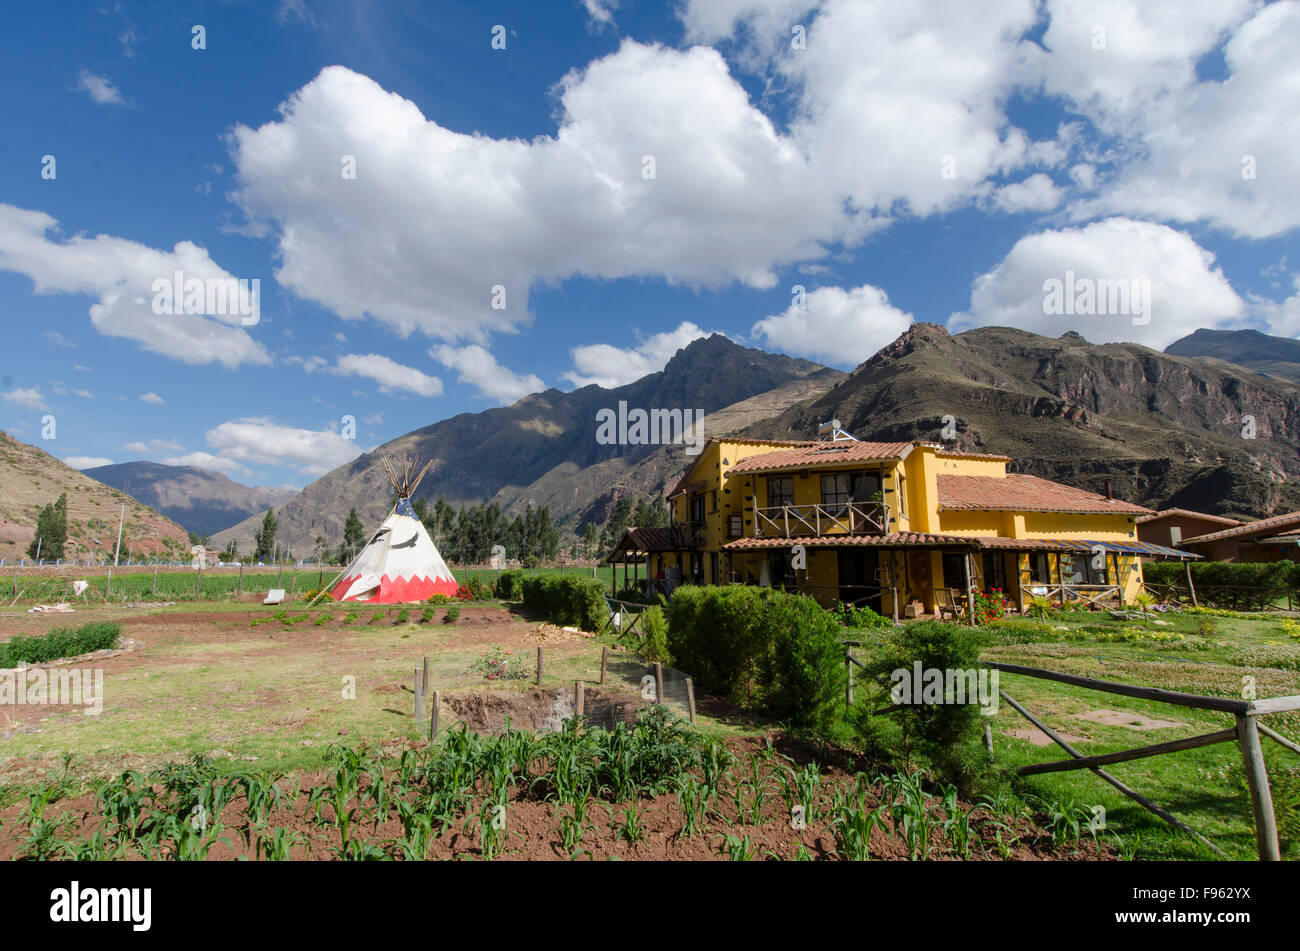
x: 835, y: 518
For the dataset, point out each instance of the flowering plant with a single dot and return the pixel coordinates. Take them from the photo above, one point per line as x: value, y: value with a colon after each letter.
x: 499, y: 663
x: 990, y: 605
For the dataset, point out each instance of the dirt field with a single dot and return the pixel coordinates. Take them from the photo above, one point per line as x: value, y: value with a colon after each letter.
x: 212, y: 680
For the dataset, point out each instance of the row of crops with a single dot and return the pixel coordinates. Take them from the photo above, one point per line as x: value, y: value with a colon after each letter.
x: 598, y: 786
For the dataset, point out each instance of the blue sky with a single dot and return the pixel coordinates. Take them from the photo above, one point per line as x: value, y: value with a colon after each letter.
x: 629, y: 175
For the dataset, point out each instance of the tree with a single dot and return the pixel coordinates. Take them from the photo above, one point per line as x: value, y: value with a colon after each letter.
x: 264, y: 537
x: 590, y: 539
x: 197, y: 539
x: 353, y: 538
x: 51, y: 531
x: 231, y: 552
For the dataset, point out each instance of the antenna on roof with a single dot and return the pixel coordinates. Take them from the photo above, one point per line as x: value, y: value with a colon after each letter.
x: 836, y: 434
x: 405, y: 483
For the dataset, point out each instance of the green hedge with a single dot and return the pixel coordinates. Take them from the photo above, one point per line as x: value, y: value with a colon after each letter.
x: 1276, y: 577
x: 510, y: 585
x: 59, y: 642
x: 567, y: 599
x: 768, y: 652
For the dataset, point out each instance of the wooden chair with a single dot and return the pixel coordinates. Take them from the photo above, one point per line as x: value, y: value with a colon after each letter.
x: 958, y: 598
x: 943, y: 600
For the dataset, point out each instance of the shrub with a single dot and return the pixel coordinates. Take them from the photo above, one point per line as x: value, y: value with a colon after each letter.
x: 990, y: 606
x: 947, y: 734
x: 452, y: 615
x: 1205, y: 626
x: 480, y: 588
x: 510, y: 585
x: 59, y: 642
x: 439, y: 599
x: 403, y: 616
x: 862, y: 617
x: 499, y: 663
x: 427, y: 615
x: 377, y: 618
x: 654, y: 644
x: 567, y: 599
x: 766, y: 651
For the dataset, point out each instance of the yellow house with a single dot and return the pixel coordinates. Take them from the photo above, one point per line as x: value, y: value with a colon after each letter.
x: 907, y: 528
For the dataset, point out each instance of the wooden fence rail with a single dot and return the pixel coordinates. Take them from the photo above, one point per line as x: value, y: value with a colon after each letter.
x: 1245, y: 731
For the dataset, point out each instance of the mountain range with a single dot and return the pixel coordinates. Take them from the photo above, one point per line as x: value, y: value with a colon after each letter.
x: 30, y: 479
x: 200, y: 500
x: 1165, y: 430
x: 1212, y: 424
x: 1265, y: 354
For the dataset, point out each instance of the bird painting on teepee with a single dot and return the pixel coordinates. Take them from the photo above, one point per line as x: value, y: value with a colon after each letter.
x: 400, y: 563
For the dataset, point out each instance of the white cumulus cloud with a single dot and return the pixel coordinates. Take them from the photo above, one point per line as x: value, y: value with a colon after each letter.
x: 121, y: 273
x: 86, y: 462
x: 610, y: 366
x: 1186, y: 290
x: 389, y: 374
x: 835, y: 326
x: 479, y: 368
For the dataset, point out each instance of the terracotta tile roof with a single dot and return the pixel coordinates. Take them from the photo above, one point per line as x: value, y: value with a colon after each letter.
x: 1188, y: 513
x: 1249, y: 528
x: 820, y: 453
x: 1025, y: 493
x: 958, y: 454
x: 895, y: 540
x: 682, y: 485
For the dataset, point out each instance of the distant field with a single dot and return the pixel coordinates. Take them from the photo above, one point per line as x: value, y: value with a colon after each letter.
x: 137, y: 583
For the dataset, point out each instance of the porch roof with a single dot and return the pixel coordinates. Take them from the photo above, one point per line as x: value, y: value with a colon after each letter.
x: 1126, y: 548
x: 897, y: 540
x: 637, y: 542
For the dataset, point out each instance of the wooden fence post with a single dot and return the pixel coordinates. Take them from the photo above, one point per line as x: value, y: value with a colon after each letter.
x: 198, y: 580
x: 153, y: 590
x: 690, y: 698
x: 1187, y: 566
x: 424, y: 680
x: 239, y: 587
x: 848, y: 662
x: 419, y: 702
x: 659, y: 682
x: 433, y: 717
x: 604, y: 660
x: 1260, y: 796
x: 108, y: 584
x: 539, y: 665
x: 579, y: 699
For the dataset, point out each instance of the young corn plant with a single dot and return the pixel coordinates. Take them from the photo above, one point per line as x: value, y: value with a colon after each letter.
x: 801, y: 789
x: 633, y: 828
x: 279, y: 845
x: 956, y: 824
x: 740, y: 848
x: 573, y: 826
x: 852, y: 820
x: 715, y: 765
x: 692, y: 796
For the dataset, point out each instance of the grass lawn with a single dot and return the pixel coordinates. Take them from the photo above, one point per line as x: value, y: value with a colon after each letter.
x: 1199, y: 654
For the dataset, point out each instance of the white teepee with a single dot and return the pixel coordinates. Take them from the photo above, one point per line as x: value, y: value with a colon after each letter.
x: 400, y: 562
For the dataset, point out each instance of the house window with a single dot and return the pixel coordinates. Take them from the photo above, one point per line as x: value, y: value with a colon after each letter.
x: 734, y: 526
x: 995, y: 571
x: 697, y: 512
x: 1039, y: 572
x: 780, y: 491
x: 835, y: 489
x: 713, y: 500
x: 902, y: 495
